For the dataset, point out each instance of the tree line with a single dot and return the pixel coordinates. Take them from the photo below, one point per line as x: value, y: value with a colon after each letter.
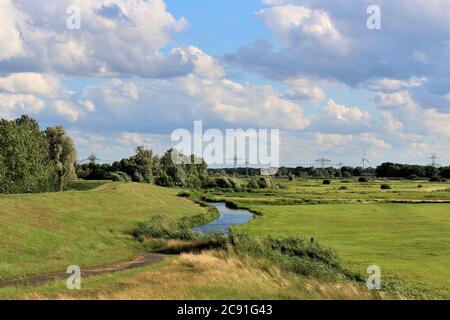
x: 145, y: 167
x: 385, y: 170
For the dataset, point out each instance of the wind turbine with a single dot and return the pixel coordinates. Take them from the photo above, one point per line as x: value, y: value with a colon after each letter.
x: 364, y: 160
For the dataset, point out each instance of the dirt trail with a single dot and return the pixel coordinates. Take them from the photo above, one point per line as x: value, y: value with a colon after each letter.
x: 140, y: 260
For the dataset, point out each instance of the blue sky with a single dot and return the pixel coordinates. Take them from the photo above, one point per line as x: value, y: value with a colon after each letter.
x: 136, y: 70
x: 219, y: 27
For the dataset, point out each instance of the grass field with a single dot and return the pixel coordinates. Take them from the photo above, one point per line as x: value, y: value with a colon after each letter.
x: 41, y: 233
x: 409, y: 241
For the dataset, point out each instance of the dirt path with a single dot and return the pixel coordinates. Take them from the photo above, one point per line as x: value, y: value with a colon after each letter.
x: 140, y: 260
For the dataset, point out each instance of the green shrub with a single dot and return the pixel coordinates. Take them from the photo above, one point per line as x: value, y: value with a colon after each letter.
x: 163, y: 227
x: 326, y: 182
x: 234, y: 184
x: 420, y: 186
x: 435, y: 179
x: 184, y: 194
x: 264, y: 183
x: 253, y: 184
x: 385, y: 187
x: 363, y: 180
x: 292, y: 254
x: 343, y: 188
x: 227, y: 183
x: 231, y: 205
x: 211, y: 184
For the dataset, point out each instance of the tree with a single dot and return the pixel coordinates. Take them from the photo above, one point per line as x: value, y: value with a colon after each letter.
x: 62, y: 153
x: 24, y: 157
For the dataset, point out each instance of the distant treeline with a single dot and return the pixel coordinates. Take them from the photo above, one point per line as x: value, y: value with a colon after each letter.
x: 144, y: 167
x: 32, y: 160
x: 386, y: 170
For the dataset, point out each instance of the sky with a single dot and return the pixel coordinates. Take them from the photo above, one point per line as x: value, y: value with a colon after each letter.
x: 136, y: 70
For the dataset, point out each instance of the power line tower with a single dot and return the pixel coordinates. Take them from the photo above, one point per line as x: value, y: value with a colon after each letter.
x: 434, y: 158
x: 364, y: 160
x: 322, y: 162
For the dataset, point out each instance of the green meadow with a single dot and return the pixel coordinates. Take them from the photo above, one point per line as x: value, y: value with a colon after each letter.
x: 404, y: 230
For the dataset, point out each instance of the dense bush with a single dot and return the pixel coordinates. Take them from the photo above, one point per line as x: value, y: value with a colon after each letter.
x: 363, y: 180
x: 163, y: 227
x: 210, y: 183
x: 385, y: 187
x: 227, y: 183
x: 291, y: 254
x: 343, y: 188
x: 435, y: 179
x: 326, y: 182
x: 223, y: 182
x: 184, y: 194
x: 261, y: 183
x: 253, y: 184
x: 265, y: 182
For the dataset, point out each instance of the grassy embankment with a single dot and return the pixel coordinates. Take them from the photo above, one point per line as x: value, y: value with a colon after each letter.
x: 42, y: 233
